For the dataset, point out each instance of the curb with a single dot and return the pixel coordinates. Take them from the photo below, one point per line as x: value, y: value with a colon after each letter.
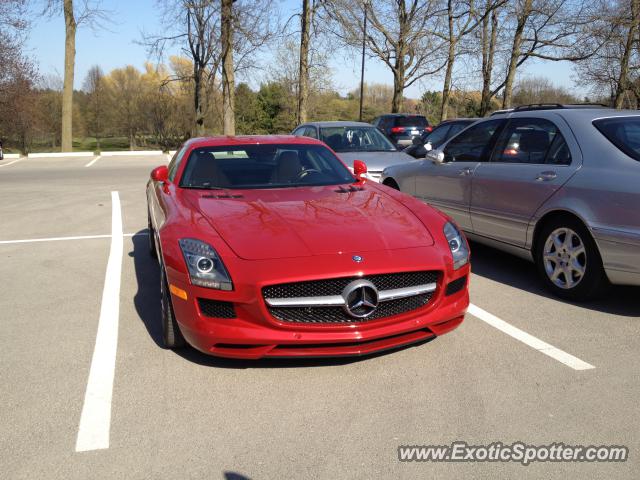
x: 60, y: 154
x: 11, y: 155
x: 132, y: 153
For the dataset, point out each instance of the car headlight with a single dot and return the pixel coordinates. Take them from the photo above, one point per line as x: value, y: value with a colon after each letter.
x: 205, y: 266
x: 457, y: 245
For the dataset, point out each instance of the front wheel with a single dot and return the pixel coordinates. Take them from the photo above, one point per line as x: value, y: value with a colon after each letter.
x: 171, y: 334
x: 568, y: 260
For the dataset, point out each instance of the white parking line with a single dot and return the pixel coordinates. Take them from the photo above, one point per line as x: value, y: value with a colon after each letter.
x: 59, y: 239
x: 12, y: 162
x: 93, y: 161
x: 95, y: 420
x: 543, y: 347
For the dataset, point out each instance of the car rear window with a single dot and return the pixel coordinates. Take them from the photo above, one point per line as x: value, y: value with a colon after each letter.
x: 411, y: 121
x: 623, y: 132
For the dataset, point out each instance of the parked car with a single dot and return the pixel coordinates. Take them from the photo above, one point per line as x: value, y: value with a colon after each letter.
x: 271, y: 247
x: 1, y: 153
x: 435, y: 138
x: 402, y: 128
x: 356, y: 141
x: 557, y: 185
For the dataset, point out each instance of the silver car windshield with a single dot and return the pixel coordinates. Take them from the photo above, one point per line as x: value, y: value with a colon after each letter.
x: 356, y: 139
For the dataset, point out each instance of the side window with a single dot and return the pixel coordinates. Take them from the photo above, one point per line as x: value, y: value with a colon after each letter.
x: 474, y: 144
x: 457, y: 127
x: 533, y: 141
x: 438, y: 136
x: 176, y: 161
x: 298, y: 132
x: 310, y: 132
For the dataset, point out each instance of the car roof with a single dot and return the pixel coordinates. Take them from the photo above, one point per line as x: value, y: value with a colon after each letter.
x: 450, y: 120
x: 250, y: 140
x: 582, y: 113
x: 336, y: 123
x: 402, y: 115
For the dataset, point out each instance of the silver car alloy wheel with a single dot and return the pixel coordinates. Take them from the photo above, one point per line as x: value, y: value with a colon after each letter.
x: 565, y: 258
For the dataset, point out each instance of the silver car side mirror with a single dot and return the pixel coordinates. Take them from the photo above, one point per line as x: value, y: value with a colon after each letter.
x: 436, y: 156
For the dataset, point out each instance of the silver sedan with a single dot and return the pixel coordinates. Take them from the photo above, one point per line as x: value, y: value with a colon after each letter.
x: 356, y: 141
x: 558, y: 185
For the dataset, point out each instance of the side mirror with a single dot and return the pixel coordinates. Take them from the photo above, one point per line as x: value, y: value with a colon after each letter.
x: 160, y: 174
x: 416, y: 141
x: 436, y: 156
x: 359, y: 168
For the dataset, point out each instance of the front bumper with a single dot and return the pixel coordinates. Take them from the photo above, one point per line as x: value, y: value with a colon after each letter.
x: 254, y: 333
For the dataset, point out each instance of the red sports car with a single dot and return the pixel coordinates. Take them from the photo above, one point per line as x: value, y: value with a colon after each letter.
x: 270, y: 247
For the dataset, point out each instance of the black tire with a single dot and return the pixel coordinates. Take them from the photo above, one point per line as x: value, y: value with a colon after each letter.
x: 588, y: 286
x: 151, y: 239
x: 390, y: 182
x: 171, y: 335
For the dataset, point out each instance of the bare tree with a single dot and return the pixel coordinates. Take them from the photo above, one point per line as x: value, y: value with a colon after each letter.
x: 198, y: 35
x: 400, y: 34
x: 94, y: 87
x: 615, y: 67
x: 307, y: 16
x: 488, y: 45
x: 228, y: 74
x: 462, y: 19
x: 75, y: 13
x: 552, y: 30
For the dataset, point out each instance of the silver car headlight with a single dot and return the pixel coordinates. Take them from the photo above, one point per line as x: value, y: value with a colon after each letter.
x: 205, y: 266
x: 457, y: 245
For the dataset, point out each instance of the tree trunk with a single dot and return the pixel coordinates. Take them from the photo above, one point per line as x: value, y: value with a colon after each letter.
x: 228, y: 77
x: 515, y: 54
x: 303, y: 77
x: 198, y: 98
x: 451, y: 58
x: 69, y: 67
x: 489, y: 39
x: 398, y: 85
x: 623, y: 79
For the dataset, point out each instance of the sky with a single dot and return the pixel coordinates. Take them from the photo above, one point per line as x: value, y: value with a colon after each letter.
x: 117, y: 45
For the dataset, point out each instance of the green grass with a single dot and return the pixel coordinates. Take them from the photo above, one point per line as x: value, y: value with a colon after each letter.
x: 87, y: 144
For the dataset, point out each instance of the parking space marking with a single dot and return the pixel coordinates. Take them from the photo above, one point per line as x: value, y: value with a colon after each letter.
x: 93, y: 161
x: 12, y: 162
x: 60, y: 239
x: 534, y: 342
x: 95, y: 419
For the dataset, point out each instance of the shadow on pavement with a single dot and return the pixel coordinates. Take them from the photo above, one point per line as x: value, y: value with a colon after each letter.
x: 147, y: 304
x: 510, y: 270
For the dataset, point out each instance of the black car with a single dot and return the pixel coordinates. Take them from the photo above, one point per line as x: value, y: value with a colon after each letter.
x: 433, y: 139
x: 402, y: 128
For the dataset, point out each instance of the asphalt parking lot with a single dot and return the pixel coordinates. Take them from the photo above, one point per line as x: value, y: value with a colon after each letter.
x: 523, y: 367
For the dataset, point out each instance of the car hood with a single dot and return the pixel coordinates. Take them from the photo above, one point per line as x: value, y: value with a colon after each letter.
x: 308, y: 221
x: 376, y: 161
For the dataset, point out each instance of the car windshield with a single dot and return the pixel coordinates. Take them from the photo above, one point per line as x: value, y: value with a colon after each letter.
x: 263, y: 166
x: 623, y: 132
x: 356, y: 139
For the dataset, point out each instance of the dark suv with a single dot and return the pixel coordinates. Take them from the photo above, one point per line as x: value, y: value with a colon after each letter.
x: 402, y: 127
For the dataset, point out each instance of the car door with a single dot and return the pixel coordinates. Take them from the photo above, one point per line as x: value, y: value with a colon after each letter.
x: 447, y: 184
x: 532, y: 159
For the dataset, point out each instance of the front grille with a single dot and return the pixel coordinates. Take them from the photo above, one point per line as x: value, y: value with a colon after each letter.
x: 335, y: 286
x: 338, y: 315
x: 216, y: 308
